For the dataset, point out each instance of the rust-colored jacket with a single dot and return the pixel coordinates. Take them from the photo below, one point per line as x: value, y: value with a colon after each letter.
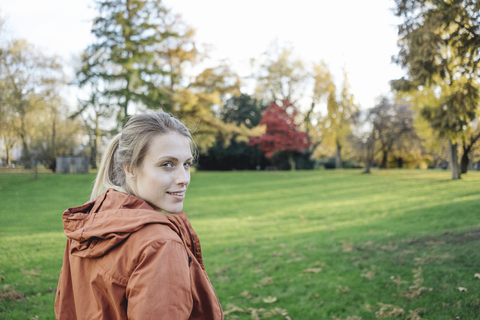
x: 124, y: 260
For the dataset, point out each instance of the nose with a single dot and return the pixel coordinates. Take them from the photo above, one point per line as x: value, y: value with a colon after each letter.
x: 183, y: 176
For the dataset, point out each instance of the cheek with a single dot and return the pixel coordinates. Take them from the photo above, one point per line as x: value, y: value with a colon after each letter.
x: 149, y: 181
x: 157, y: 180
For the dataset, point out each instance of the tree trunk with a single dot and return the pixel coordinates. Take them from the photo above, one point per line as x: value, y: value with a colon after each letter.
x: 338, y: 157
x: 384, y: 159
x: 26, y: 153
x: 307, y: 121
x: 9, y: 157
x: 23, y: 136
x: 464, y: 162
x: 8, y: 151
x: 400, y: 162
x: 291, y: 161
x: 454, y: 159
x: 370, y: 152
x: 53, y: 160
x: 35, y: 171
x: 368, y: 165
x: 54, y: 138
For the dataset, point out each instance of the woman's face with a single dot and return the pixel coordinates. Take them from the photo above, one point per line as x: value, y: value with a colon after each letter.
x: 163, y: 177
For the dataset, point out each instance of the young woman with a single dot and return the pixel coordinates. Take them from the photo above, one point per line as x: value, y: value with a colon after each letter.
x: 124, y: 258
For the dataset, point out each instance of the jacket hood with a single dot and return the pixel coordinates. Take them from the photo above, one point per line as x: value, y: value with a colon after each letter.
x: 99, y: 225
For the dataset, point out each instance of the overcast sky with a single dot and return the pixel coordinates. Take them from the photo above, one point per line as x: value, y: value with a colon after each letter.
x: 358, y: 35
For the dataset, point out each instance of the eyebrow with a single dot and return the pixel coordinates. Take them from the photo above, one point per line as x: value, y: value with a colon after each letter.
x: 172, y: 158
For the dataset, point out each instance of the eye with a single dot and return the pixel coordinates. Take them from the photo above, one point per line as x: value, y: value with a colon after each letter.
x: 167, y: 164
x: 187, y: 164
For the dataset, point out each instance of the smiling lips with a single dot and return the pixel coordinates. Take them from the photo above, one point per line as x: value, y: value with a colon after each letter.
x: 179, y: 194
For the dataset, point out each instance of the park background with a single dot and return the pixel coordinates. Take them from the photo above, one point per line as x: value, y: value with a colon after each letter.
x: 305, y: 244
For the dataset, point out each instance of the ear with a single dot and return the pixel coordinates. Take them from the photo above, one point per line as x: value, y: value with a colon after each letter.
x: 130, y: 173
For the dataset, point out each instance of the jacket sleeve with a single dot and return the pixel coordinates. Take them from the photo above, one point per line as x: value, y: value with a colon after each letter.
x: 159, y: 287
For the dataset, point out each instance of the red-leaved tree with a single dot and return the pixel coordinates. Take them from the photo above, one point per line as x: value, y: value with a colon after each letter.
x: 282, y: 133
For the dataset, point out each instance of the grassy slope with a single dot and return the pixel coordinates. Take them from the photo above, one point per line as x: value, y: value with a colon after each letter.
x: 324, y: 244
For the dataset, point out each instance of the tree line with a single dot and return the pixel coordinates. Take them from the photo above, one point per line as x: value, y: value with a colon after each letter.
x: 296, y: 115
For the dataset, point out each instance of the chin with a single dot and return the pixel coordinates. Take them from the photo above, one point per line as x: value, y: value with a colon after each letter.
x: 173, y: 210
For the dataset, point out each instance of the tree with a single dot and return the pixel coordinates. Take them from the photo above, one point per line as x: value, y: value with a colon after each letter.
x: 336, y: 125
x: 439, y: 43
x: 280, y: 77
x: 29, y: 80
x: 92, y: 111
x: 282, y: 134
x: 393, y: 123
x: 55, y: 133
x: 199, y: 99
x: 199, y: 105
x: 127, y: 53
x: 179, y: 52
x: 363, y: 141
x: 451, y: 116
x: 7, y: 115
x: 243, y: 110
x: 322, y: 87
x: 369, y: 151
x: 139, y: 58
x: 8, y: 125
x: 469, y: 141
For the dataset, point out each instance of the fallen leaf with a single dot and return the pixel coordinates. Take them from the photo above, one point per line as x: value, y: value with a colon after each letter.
x: 342, y: 290
x: 314, y: 270
x: 232, y: 308
x: 255, y: 315
x: 246, y: 294
x: 369, y: 274
x: 34, y: 272
x: 9, y: 294
x: 347, y: 246
x: 462, y: 289
x: 264, y: 282
x: 477, y: 275
x: 270, y: 299
x: 296, y: 259
x: 389, y: 310
x: 415, y: 314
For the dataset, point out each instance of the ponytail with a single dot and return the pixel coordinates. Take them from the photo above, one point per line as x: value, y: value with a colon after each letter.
x: 106, y: 171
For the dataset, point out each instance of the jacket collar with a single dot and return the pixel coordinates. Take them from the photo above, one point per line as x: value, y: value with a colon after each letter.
x: 99, y: 225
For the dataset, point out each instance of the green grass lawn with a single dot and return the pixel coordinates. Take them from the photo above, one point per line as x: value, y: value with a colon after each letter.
x: 398, y: 244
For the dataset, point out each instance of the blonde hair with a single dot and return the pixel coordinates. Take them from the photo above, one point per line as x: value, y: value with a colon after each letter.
x: 128, y: 149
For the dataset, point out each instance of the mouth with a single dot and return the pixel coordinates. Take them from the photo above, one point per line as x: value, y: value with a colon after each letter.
x: 176, y: 193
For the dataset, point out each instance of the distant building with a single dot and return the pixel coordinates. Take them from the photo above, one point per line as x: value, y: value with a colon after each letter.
x: 72, y: 164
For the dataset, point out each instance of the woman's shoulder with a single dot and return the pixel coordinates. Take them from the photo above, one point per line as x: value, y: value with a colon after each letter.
x: 154, y: 233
